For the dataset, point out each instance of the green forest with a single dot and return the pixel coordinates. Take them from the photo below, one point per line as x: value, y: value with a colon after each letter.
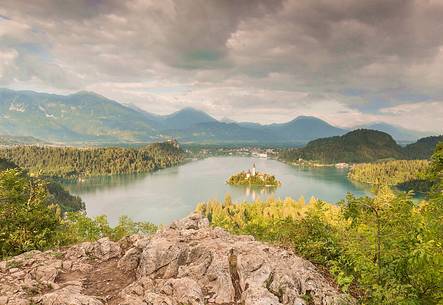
x: 360, y: 146
x: 423, y: 148
x: 382, y: 249
x: 31, y: 218
x: 70, y: 162
x: 56, y: 193
x: 406, y: 174
x: 385, y: 249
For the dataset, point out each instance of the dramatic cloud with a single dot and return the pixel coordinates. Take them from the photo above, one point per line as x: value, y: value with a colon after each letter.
x: 346, y: 61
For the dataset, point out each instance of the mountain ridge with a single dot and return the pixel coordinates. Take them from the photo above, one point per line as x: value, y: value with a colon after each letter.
x: 88, y: 117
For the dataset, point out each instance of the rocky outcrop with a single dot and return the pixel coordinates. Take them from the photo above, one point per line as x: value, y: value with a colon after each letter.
x: 185, y: 263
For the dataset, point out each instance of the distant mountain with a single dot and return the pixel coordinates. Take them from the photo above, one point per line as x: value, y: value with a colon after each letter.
x: 300, y: 129
x: 423, y: 148
x: 82, y: 116
x: 250, y: 125
x: 398, y: 133
x: 305, y: 128
x: 227, y: 120
x: 226, y: 133
x: 155, y: 119
x: 297, y: 131
x: 181, y: 119
x: 89, y: 117
x: 17, y: 140
x: 186, y: 118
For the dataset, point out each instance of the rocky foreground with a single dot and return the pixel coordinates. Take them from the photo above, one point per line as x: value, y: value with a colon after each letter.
x: 186, y: 263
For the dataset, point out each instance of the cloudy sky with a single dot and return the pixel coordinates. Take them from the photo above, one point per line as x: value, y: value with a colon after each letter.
x: 347, y: 61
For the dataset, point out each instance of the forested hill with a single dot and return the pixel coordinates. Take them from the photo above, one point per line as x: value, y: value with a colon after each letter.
x: 70, y: 162
x: 361, y: 145
x: 55, y: 192
x: 406, y: 175
x: 423, y: 148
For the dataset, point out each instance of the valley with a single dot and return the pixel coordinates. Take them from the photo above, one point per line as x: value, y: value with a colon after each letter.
x: 332, y: 201
x: 221, y: 152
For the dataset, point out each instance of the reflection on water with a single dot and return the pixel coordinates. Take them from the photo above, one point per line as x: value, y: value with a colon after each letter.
x: 253, y: 192
x: 173, y: 193
x: 95, y: 184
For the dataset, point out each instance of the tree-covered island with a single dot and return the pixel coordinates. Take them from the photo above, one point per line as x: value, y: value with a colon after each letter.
x: 252, y: 177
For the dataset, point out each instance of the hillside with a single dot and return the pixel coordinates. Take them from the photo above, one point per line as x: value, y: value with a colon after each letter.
x: 306, y: 128
x: 297, y: 131
x: 361, y: 145
x: 400, y: 134
x: 79, y: 117
x: 71, y: 162
x: 185, y: 118
x: 56, y: 194
x: 86, y: 117
x: 225, y: 133
x: 185, y: 263
x: 423, y: 148
x: 406, y: 175
x: 19, y: 140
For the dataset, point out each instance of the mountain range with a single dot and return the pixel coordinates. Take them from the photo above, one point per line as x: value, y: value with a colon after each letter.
x: 86, y: 117
x: 19, y: 140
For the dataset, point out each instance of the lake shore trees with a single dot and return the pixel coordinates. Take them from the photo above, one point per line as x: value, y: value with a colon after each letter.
x: 384, y: 249
x: 72, y: 162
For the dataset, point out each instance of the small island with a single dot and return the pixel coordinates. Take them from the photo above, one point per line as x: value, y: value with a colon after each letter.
x: 254, y: 178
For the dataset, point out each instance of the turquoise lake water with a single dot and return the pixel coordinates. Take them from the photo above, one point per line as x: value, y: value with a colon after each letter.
x: 173, y: 193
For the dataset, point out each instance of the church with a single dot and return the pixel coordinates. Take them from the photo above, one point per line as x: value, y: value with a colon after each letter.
x: 252, y: 172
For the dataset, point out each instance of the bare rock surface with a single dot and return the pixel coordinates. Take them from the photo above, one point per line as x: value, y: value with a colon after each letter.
x: 186, y: 263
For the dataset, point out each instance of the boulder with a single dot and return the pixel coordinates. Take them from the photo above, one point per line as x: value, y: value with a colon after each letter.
x: 188, y: 262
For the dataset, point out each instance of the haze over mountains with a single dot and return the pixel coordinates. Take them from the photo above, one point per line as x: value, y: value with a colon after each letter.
x: 397, y: 132
x: 89, y: 117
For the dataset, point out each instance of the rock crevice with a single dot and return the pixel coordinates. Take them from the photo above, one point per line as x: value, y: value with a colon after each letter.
x: 186, y: 263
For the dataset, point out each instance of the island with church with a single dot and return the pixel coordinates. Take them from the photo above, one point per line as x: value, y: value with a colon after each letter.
x: 254, y: 178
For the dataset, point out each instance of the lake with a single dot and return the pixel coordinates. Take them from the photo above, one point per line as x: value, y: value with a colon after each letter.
x: 173, y: 193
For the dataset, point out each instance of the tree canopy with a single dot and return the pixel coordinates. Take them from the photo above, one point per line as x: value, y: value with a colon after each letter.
x: 70, y: 162
x: 31, y: 218
x: 383, y: 249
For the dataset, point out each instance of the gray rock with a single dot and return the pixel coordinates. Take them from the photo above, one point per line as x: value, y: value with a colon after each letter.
x: 129, y: 262
x: 186, y: 263
x: 68, y: 295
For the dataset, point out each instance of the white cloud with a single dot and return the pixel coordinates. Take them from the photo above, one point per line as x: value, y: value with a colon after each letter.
x: 424, y: 116
x: 7, y: 62
x: 251, y: 60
